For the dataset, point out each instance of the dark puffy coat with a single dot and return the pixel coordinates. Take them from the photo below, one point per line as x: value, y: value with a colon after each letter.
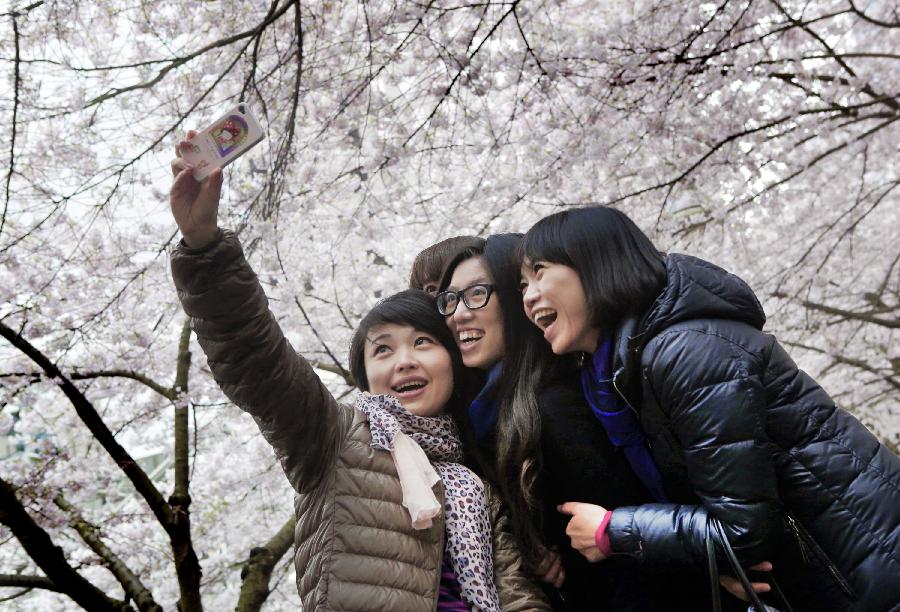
x: 740, y: 432
x: 572, y: 436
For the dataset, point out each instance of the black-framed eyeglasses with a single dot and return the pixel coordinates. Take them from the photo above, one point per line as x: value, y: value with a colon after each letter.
x: 474, y: 297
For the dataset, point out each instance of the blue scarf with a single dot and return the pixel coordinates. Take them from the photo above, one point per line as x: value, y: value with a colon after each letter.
x: 484, y: 408
x: 619, y: 421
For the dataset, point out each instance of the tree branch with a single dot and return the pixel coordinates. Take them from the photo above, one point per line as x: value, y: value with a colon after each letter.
x: 257, y: 570
x: 178, y: 61
x: 49, y: 557
x: 187, y: 565
x: 867, y: 317
x: 15, y: 110
x: 89, y: 416
x: 850, y: 361
x: 28, y: 582
x: 132, y: 584
x: 166, y: 392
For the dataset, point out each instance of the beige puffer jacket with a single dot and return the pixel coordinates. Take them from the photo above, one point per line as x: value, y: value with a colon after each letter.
x: 355, y: 548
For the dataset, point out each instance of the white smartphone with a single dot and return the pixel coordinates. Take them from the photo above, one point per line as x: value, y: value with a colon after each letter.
x: 226, y: 139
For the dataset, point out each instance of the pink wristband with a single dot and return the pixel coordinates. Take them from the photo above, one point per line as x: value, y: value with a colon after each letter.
x: 601, y: 536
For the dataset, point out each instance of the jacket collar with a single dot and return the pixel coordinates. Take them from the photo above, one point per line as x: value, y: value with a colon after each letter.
x: 627, y: 347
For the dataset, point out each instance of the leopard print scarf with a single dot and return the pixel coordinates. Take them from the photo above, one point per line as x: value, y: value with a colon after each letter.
x: 466, y: 520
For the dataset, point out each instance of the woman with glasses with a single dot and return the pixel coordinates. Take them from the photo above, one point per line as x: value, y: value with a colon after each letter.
x: 537, y: 439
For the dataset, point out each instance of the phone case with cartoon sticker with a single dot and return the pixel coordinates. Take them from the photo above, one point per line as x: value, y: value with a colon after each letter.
x: 226, y: 139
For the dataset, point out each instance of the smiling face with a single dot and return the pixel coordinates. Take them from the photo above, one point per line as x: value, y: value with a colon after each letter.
x: 411, y: 365
x: 479, y: 333
x: 555, y: 301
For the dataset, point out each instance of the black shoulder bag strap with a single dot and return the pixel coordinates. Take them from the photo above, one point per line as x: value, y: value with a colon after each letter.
x: 715, y: 534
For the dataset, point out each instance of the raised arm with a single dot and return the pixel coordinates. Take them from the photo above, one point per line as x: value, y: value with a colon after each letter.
x: 247, y: 352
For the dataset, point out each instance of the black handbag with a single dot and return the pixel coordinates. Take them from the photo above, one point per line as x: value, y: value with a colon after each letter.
x: 715, y: 534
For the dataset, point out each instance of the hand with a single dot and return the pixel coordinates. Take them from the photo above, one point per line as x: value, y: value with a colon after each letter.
x: 195, y: 205
x: 582, y: 527
x: 734, y: 586
x: 551, y: 570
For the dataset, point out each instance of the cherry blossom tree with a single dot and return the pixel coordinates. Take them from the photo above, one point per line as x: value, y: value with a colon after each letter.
x: 759, y: 134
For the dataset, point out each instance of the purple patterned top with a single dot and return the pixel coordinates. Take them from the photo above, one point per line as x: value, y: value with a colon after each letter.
x: 450, y: 593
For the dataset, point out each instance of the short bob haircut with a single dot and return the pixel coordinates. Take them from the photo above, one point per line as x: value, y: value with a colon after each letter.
x: 621, y: 271
x: 429, y: 265
x: 415, y: 309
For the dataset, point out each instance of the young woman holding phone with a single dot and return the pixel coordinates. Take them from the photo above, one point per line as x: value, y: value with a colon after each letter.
x: 388, y: 518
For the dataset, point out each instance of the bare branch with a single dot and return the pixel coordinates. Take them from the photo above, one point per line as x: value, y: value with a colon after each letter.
x: 179, y: 61
x: 166, y: 392
x: 89, y: 416
x: 49, y: 557
x: 15, y: 110
x: 91, y: 536
x: 867, y: 317
x: 850, y: 361
x: 27, y: 582
x: 257, y: 570
x: 872, y: 20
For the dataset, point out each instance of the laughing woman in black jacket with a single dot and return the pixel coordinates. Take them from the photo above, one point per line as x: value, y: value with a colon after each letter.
x: 715, y: 418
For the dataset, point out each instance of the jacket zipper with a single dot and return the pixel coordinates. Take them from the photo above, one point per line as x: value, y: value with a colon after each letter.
x: 622, y: 395
x: 807, y: 542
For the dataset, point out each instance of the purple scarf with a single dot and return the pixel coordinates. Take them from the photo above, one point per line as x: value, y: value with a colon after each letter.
x: 620, y: 422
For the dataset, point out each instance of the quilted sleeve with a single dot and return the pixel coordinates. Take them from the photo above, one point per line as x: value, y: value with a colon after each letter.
x: 712, y: 392
x: 253, y: 362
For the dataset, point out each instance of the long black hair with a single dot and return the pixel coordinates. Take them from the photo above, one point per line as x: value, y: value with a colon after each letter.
x: 416, y: 309
x: 528, y: 366
x: 621, y: 271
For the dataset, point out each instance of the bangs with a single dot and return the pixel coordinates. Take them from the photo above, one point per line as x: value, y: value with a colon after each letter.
x: 409, y: 308
x: 545, y: 241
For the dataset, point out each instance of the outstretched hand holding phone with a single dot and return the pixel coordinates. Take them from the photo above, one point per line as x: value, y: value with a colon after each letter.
x: 200, y: 158
x: 195, y: 204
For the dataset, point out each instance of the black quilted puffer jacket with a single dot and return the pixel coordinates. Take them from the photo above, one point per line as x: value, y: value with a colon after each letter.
x: 740, y: 432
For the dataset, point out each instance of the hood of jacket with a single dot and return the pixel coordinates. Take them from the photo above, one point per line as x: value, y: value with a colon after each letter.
x: 695, y: 289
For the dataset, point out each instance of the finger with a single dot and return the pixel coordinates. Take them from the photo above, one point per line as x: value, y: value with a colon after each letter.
x: 560, y: 579
x: 569, y: 508
x: 733, y: 586
x: 214, y: 182
x: 765, y: 566
x: 190, y: 134
x: 183, y: 179
x: 551, y: 576
x: 178, y: 165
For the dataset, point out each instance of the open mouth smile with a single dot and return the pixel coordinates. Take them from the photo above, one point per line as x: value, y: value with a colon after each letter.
x: 467, y: 337
x: 544, y: 317
x: 409, y: 388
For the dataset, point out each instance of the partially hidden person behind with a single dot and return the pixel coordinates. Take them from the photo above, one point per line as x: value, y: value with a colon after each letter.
x: 740, y: 448
x: 539, y: 440
x: 430, y: 264
x: 387, y: 516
